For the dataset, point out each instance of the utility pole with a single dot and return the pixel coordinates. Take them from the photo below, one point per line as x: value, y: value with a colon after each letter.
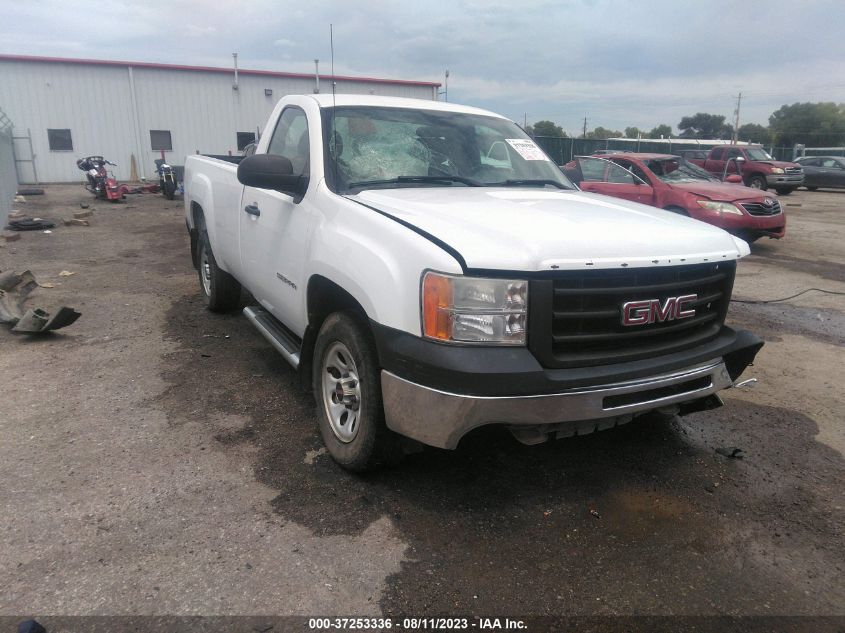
x: 524, y: 120
x: 445, y: 91
x: 584, y: 135
x: 735, y: 135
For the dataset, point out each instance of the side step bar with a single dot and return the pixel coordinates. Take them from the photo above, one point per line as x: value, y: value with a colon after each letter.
x: 284, y: 342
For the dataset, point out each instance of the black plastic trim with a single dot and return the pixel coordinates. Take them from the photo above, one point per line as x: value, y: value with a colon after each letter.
x: 508, y: 371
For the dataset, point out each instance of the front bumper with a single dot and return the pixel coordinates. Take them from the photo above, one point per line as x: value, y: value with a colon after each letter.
x: 437, y: 393
x: 784, y: 180
x: 438, y: 418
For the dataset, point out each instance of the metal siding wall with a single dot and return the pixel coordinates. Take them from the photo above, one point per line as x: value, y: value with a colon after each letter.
x: 92, y: 101
x: 8, y: 177
x: 200, y: 109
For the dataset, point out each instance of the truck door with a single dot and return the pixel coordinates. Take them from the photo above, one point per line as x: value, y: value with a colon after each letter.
x: 730, y: 159
x: 715, y: 163
x: 274, y: 230
x: 608, y: 178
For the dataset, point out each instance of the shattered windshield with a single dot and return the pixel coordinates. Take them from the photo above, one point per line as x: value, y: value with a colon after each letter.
x: 677, y: 170
x: 758, y: 153
x: 376, y: 147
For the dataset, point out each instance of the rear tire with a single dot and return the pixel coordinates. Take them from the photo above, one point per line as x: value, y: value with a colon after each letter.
x: 346, y: 379
x: 222, y: 292
x: 169, y: 189
x: 758, y: 181
x: 785, y: 191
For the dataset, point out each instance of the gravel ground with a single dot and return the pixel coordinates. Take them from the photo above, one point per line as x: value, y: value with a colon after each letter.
x: 160, y: 459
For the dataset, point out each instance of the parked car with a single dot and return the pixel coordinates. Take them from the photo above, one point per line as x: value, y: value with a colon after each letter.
x: 823, y: 171
x: 758, y: 169
x: 674, y: 184
x: 424, y: 284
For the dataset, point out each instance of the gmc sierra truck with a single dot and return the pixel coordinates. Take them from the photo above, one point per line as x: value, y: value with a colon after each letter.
x: 428, y: 270
x: 757, y: 168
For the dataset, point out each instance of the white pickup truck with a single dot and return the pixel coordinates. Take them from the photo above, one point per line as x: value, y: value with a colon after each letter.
x: 428, y: 270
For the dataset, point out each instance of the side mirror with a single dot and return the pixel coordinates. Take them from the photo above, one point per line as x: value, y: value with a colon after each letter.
x: 268, y: 171
x: 740, y: 159
x: 734, y: 178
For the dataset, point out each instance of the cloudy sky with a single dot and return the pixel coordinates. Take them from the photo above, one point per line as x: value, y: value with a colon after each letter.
x: 617, y: 62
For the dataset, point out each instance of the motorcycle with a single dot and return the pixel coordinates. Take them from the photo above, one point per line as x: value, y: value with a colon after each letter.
x: 166, y: 178
x: 100, y: 182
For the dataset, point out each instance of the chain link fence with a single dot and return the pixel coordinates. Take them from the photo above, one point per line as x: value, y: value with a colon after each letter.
x: 563, y: 150
x: 8, y: 172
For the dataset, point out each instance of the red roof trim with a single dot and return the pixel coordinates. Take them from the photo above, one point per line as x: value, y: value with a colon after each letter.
x: 207, y: 69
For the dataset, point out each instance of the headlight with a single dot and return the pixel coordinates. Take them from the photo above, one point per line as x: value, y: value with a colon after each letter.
x: 721, y: 207
x: 777, y: 170
x: 474, y: 310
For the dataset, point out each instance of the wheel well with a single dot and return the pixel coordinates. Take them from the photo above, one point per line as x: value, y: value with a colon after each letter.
x: 756, y: 173
x: 198, y: 220
x: 676, y: 209
x: 324, y: 297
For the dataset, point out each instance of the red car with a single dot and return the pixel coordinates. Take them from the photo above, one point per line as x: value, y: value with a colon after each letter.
x: 673, y: 183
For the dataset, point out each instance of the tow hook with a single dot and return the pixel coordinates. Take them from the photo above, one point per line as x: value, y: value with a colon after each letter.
x: 745, y: 383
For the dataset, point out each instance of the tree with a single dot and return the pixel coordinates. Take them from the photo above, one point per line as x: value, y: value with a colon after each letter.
x: 548, y: 128
x: 661, y: 131
x: 633, y: 132
x: 704, y: 125
x: 813, y: 124
x: 603, y: 133
x: 754, y: 133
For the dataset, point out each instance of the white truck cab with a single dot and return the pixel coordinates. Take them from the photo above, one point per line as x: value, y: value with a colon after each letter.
x: 429, y: 270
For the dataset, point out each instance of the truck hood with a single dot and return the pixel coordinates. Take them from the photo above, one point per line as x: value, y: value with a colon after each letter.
x: 526, y: 229
x: 775, y: 163
x: 727, y: 192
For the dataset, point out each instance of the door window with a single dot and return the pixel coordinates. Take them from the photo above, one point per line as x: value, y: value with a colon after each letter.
x: 290, y: 139
x: 635, y: 169
x: 831, y: 163
x: 718, y: 154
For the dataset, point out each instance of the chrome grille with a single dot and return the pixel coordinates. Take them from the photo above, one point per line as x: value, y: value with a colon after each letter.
x: 757, y: 208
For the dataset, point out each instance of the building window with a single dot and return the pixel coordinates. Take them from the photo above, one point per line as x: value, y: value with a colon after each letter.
x: 160, y: 140
x: 60, y: 140
x: 244, y: 139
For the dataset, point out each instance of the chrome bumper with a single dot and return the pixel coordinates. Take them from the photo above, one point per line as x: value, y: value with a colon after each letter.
x: 789, y: 180
x: 441, y: 419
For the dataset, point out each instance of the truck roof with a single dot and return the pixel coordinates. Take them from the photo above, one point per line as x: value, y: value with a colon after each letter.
x: 328, y: 100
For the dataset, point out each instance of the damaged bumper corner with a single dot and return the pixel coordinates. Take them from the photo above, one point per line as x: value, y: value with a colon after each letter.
x: 14, y: 290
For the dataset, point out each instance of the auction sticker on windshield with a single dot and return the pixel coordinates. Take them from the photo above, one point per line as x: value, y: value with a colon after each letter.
x: 527, y: 148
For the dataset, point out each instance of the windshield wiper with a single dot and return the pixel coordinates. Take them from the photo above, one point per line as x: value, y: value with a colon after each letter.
x: 528, y: 182
x: 469, y: 182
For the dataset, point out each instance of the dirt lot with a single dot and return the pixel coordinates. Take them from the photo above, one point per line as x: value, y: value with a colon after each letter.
x: 160, y: 459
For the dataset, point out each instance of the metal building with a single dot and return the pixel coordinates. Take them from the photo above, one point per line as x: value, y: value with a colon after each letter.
x: 70, y: 108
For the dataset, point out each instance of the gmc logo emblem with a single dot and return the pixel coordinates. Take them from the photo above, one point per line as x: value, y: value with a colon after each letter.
x: 653, y: 311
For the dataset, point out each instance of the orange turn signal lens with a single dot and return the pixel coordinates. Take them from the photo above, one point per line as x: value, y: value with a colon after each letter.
x: 437, y: 301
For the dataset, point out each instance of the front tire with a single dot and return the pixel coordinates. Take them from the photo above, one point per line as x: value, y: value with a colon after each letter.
x: 169, y: 189
x: 222, y: 292
x: 758, y: 181
x: 347, y: 386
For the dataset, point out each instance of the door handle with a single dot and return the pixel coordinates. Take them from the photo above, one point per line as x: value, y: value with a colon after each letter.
x: 252, y: 209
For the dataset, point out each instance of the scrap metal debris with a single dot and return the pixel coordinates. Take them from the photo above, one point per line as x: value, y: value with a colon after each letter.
x: 14, y: 289
x: 731, y: 451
